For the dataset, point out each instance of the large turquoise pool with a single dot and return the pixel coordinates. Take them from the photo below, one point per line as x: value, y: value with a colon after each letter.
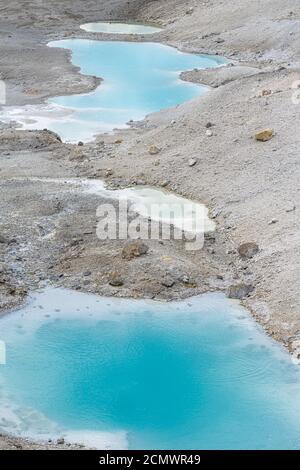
x: 137, y: 79
x: 142, y: 374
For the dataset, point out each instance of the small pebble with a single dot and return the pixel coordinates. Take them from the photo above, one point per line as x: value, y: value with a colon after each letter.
x: 192, y: 161
x: 273, y: 221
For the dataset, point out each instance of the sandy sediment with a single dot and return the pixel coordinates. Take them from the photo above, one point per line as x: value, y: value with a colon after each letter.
x: 47, y: 227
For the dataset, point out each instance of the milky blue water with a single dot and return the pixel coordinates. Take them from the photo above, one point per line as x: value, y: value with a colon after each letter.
x: 113, y: 27
x: 185, y: 375
x: 138, y: 79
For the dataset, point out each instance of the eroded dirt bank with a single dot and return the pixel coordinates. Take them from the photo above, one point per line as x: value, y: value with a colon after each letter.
x: 47, y: 226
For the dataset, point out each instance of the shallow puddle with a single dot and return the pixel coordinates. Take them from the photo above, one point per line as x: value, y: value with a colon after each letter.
x: 159, y: 205
x: 113, y: 27
x: 149, y: 202
x: 142, y: 374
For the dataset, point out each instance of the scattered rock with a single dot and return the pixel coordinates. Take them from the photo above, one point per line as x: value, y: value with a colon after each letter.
x: 229, y: 226
x: 273, y: 221
x: 185, y: 279
x: 134, y: 249
x: 87, y: 273
x: 209, y: 133
x: 264, y: 135
x: 266, y: 92
x: 164, y: 183
x: 240, y: 291
x: 248, y: 250
x: 291, y: 208
x: 60, y: 441
x: 118, y: 141
x: 192, y: 161
x: 208, y: 125
x: 51, y: 136
x: 76, y: 155
x: 215, y: 213
x: 168, y: 281
x: 115, y: 279
x: 80, y: 144
x: 153, y: 150
x: 190, y: 11
x: 210, y: 237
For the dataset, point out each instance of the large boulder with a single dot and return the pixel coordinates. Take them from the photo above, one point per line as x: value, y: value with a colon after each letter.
x: 153, y: 150
x: 167, y: 281
x: 239, y: 291
x: 115, y: 279
x: 248, y: 250
x: 134, y: 249
x: 264, y: 135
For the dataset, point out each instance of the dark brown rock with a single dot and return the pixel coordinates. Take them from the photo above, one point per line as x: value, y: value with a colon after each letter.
x: 115, y: 279
x: 239, y: 291
x: 248, y: 250
x: 134, y: 249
